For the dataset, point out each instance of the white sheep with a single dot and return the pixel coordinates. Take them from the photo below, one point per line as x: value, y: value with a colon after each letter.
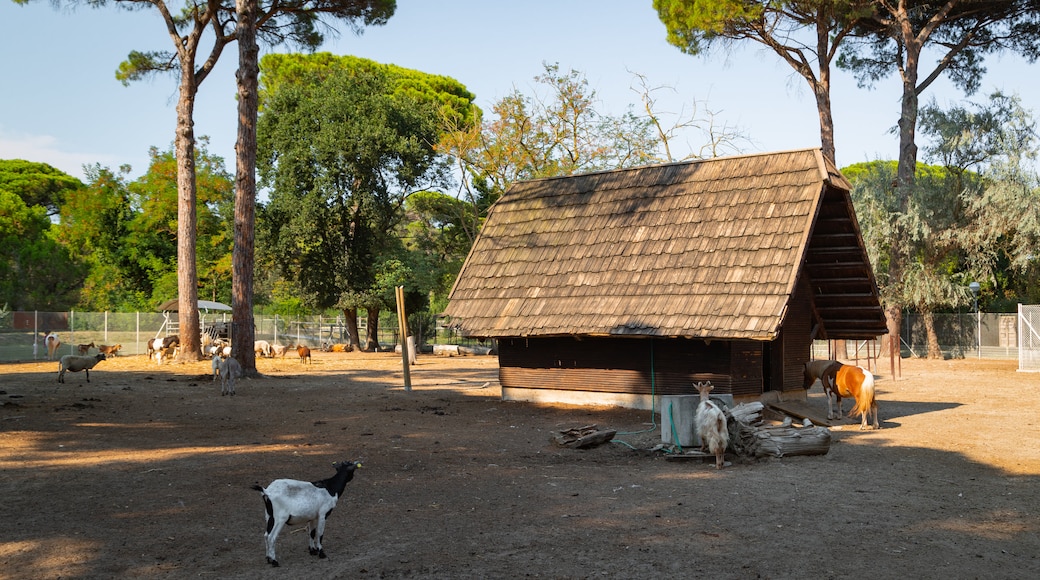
x: 711, y: 425
x: 278, y: 350
x: 229, y: 370
x: 262, y: 348
x: 75, y: 363
x: 53, y: 342
x: 292, y: 502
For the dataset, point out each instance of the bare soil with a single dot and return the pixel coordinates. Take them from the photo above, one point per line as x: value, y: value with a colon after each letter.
x: 144, y: 472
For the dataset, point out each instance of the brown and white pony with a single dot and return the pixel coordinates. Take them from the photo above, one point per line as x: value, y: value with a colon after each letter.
x: 842, y: 380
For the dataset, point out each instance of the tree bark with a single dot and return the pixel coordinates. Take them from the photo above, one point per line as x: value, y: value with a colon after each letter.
x: 187, y: 218
x: 350, y: 315
x: 242, y: 257
x: 934, y: 350
x: 372, y: 342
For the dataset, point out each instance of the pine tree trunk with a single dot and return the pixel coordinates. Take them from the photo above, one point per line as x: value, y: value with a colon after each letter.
x: 242, y: 257
x: 934, y: 351
x: 350, y: 314
x: 187, y: 218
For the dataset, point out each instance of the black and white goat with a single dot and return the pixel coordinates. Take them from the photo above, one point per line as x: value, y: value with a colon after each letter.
x: 292, y: 502
x: 711, y: 425
x: 75, y: 363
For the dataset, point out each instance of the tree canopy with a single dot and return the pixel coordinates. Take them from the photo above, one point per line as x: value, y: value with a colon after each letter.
x: 341, y: 150
x: 37, y: 183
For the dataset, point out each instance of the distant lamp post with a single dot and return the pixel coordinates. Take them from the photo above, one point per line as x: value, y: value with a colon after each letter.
x: 975, y: 287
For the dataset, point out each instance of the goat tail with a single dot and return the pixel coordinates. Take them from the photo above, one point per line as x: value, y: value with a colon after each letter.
x: 865, y: 401
x: 722, y: 429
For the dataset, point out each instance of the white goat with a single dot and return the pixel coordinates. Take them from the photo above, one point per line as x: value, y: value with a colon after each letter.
x: 75, y: 363
x: 292, y: 502
x: 229, y: 370
x: 711, y: 425
x: 262, y: 348
x: 278, y: 350
x: 53, y: 342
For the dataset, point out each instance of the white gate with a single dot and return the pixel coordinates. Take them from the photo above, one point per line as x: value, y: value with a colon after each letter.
x: 1029, y: 337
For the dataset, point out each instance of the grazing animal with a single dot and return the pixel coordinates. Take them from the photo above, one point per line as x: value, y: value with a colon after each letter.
x: 109, y: 350
x: 292, y: 502
x: 163, y: 347
x: 75, y: 363
x: 53, y: 342
x: 857, y: 383
x: 216, y: 365
x: 305, y: 354
x: 339, y: 347
x: 85, y: 348
x: 262, y: 348
x: 820, y: 369
x: 230, y: 369
x: 711, y: 425
x: 278, y: 350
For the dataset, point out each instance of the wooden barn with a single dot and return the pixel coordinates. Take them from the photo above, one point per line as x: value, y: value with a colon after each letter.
x: 620, y: 286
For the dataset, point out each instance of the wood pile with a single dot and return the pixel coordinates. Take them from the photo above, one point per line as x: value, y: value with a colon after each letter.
x: 750, y: 437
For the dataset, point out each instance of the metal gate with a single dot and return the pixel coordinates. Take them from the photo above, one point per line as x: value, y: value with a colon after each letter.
x: 1029, y: 338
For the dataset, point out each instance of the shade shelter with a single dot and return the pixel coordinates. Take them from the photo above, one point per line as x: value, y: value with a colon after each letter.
x: 620, y: 286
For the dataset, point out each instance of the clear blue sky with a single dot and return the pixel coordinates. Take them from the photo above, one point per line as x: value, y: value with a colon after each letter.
x: 60, y: 102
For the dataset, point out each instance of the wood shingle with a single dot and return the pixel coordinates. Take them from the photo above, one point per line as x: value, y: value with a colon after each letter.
x: 705, y: 249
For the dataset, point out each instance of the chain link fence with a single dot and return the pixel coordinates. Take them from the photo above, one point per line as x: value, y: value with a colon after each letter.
x: 22, y: 333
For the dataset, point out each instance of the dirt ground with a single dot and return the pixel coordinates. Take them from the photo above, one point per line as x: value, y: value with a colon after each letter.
x: 145, y: 471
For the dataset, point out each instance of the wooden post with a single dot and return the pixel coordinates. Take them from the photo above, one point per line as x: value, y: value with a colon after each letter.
x: 403, y: 323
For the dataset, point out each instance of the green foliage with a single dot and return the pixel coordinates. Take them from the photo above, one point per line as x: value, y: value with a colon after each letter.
x: 341, y: 152
x: 127, y: 233
x: 36, y: 272
x: 455, y: 102
x: 37, y: 183
x: 694, y: 24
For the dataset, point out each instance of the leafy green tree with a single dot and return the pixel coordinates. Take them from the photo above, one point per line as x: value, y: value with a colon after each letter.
x: 898, y: 37
x: 296, y: 22
x: 341, y: 151
x: 37, y: 183
x: 437, y: 241
x: 926, y: 231
x: 997, y: 141
x: 36, y: 272
x: 277, y: 21
x: 806, y: 35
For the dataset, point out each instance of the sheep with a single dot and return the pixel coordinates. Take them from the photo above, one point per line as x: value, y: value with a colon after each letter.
x: 292, y: 502
x: 85, y: 348
x: 278, y: 350
x: 74, y: 363
x: 216, y: 365
x: 262, y: 348
x: 109, y: 350
x: 305, y: 354
x: 53, y: 342
x: 711, y: 425
x: 229, y: 370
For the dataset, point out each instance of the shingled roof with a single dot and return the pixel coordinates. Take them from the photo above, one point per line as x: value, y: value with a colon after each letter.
x: 709, y: 249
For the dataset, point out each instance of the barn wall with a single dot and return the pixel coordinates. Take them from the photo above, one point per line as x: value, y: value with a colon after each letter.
x: 623, y: 365
x: 796, y: 336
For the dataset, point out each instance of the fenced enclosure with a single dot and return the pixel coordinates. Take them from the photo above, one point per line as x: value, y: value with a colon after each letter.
x: 22, y: 333
x: 1029, y: 338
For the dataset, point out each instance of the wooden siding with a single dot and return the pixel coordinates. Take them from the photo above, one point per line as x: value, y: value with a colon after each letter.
x: 623, y: 365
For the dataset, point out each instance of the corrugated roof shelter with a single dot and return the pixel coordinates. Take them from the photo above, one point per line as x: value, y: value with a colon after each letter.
x: 744, y: 258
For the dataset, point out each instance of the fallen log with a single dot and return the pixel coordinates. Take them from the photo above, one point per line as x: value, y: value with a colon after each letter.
x: 748, y: 437
x: 583, y: 437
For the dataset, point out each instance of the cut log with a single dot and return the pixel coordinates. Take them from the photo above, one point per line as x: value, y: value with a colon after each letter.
x: 583, y: 437
x: 749, y: 438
